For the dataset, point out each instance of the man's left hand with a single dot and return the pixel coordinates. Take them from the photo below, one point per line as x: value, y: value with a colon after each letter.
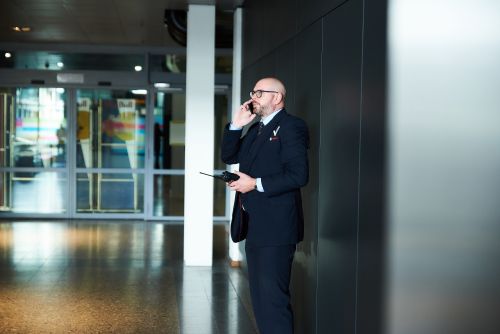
x: 245, y: 183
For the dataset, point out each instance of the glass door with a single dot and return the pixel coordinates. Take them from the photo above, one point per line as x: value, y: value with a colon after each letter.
x: 33, y: 169
x: 110, y: 152
x: 6, y: 112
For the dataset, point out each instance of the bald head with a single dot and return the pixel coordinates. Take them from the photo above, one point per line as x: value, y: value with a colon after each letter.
x: 272, y: 84
x: 273, y: 98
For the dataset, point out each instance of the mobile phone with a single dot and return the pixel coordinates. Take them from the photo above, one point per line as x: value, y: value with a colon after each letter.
x: 250, y: 107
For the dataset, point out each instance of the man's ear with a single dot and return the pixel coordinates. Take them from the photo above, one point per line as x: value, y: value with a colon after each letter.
x: 279, y: 98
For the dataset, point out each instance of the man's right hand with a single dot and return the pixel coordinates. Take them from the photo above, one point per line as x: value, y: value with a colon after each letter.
x: 243, y: 116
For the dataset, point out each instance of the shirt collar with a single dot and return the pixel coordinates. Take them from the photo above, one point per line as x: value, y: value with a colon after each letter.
x: 268, y: 118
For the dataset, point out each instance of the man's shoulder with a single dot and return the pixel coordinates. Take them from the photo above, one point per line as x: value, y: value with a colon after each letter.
x: 295, y: 125
x: 292, y: 120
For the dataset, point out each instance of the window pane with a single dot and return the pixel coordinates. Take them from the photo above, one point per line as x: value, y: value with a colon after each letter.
x: 168, y: 195
x: 33, y: 127
x: 33, y: 192
x: 5, y: 203
x: 219, y: 198
x: 110, y: 129
x: 169, y: 118
x: 221, y: 109
x: 109, y: 193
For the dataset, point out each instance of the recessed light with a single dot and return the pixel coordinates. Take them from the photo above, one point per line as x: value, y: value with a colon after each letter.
x: 162, y: 85
x: 60, y: 64
x: 138, y: 68
x: 139, y: 91
x: 8, y: 55
x: 21, y: 29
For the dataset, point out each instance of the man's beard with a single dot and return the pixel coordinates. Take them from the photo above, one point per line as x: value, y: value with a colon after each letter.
x: 262, y: 111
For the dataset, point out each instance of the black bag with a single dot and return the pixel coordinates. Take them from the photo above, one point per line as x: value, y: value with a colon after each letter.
x: 239, y: 221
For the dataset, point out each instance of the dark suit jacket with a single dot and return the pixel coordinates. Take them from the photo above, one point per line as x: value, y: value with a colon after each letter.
x: 279, y: 157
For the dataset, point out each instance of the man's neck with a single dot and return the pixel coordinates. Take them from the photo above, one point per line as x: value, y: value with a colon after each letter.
x: 275, y: 109
x: 266, y: 119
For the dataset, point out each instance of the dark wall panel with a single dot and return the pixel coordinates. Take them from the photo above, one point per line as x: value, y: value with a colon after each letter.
x: 312, y: 10
x: 252, y: 38
x: 285, y: 70
x: 307, y: 99
x: 321, y: 68
x: 250, y: 75
x: 267, y: 25
x: 372, y: 225
x: 339, y: 168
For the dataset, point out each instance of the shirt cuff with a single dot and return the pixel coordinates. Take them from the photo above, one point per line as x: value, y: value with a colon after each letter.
x: 259, y: 185
x: 232, y: 127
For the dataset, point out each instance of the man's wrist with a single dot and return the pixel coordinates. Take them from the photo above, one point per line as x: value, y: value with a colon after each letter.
x: 233, y: 126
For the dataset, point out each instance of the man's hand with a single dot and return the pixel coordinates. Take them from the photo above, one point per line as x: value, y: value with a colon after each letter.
x: 244, y: 184
x: 243, y: 116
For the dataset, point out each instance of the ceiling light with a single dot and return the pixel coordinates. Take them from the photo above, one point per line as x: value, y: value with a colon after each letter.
x: 139, y: 91
x: 8, y: 54
x: 162, y: 85
x: 60, y: 64
x: 138, y: 68
x: 21, y: 29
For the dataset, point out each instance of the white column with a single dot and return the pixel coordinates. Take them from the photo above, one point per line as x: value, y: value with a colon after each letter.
x: 199, y: 155
x: 234, y: 249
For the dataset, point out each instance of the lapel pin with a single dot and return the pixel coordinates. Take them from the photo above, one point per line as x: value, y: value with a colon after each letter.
x: 275, y: 132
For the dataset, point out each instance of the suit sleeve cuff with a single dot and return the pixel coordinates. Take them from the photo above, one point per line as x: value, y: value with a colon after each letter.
x: 232, y: 127
x: 259, y: 185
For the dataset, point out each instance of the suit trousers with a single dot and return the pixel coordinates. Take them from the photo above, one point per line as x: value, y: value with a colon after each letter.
x: 269, y: 271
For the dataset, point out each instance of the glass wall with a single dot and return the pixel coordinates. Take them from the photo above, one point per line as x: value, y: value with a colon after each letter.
x: 168, y: 180
x: 99, y: 162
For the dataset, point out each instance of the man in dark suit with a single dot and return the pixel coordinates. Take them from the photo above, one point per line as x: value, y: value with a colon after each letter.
x: 273, y: 167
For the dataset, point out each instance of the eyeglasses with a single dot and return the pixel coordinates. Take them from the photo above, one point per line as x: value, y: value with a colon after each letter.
x: 258, y: 93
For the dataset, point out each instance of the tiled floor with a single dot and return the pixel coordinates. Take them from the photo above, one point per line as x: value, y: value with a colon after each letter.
x: 101, y: 277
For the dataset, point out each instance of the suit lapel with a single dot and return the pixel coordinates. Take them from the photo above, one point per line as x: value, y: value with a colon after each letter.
x: 264, y: 136
x: 251, y: 136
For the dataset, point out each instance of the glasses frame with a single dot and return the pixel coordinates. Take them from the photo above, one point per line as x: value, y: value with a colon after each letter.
x: 258, y: 93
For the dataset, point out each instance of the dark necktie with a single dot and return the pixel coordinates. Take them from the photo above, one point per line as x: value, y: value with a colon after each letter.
x: 261, y: 126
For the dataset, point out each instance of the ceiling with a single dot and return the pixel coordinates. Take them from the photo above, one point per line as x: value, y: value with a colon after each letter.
x: 99, y: 22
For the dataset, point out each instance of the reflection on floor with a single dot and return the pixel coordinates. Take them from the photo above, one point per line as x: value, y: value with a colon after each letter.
x: 82, y: 277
